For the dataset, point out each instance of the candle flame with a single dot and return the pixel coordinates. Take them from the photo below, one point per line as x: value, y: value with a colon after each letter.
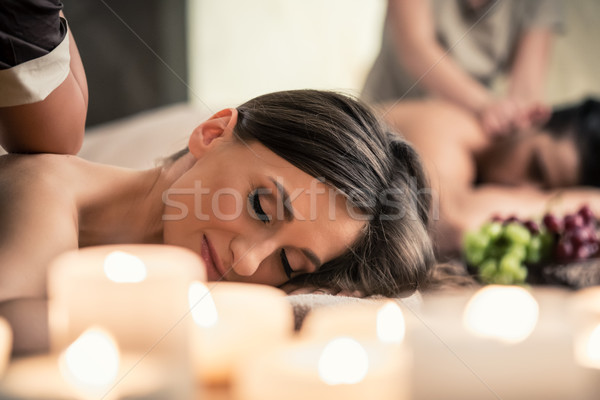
x: 588, y: 353
x: 505, y: 313
x: 391, y: 326
x: 91, y: 361
x: 202, y: 305
x: 123, y: 267
x: 343, y: 361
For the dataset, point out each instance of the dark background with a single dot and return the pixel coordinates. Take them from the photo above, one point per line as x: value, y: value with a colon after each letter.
x: 124, y: 76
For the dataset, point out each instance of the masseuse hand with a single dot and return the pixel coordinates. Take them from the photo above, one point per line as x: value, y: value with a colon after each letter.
x: 508, y: 115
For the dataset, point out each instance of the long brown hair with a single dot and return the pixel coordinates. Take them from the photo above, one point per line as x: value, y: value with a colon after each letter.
x: 337, y: 138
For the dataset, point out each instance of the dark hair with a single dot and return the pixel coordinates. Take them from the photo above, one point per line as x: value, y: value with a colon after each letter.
x: 582, y: 122
x: 337, y: 138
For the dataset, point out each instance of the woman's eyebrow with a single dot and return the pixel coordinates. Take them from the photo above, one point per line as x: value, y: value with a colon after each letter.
x: 288, y: 213
x: 288, y: 210
x: 312, y: 257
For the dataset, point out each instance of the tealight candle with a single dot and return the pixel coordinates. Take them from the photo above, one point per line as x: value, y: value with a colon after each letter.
x: 5, y: 344
x: 342, y: 368
x: 499, y: 342
x: 234, y: 321
x: 136, y: 292
x: 352, y: 351
x: 90, y: 368
x: 382, y: 320
x: 585, y: 309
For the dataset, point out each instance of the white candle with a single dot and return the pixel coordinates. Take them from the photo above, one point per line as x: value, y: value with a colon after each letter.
x: 351, y: 351
x: 136, y: 292
x: 382, y: 319
x: 585, y: 309
x: 5, y: 344
x: 500, y: 342
x: 342, y: 368
x: 90, y: 368
x: 234, y: 321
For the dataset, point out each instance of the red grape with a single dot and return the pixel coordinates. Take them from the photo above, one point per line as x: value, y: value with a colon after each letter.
x: 580, y: 236
x: 497, y: 218
x: 512, y: 218
x: 583, y: 252
x: 532, y: 226
x: 587, y: 214
x: 573, y: 221
x: 552, y: 223
x: 564, y: 250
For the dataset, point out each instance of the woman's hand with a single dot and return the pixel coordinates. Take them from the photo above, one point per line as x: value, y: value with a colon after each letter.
x: 508, y: 115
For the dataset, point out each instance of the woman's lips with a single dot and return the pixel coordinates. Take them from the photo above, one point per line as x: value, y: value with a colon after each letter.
x: 210, y: 259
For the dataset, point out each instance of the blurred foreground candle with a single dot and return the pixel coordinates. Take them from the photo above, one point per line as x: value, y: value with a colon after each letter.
x: 499, y: 342
x: 5, y: 344
x: 137, y: 293
x: 90, y: 368
x: 377, y: 320
x: 348, y: 352
x: 234, y: 321
x: 585, y: 308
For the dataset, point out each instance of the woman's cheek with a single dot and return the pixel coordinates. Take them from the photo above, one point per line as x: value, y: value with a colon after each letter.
x: 227, y: 204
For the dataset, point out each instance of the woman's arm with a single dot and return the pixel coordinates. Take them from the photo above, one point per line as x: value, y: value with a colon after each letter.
x: 53, y: 125
x: 415, y: 40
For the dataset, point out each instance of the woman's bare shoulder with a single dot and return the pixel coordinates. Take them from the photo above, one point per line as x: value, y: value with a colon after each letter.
x: 37, y: 221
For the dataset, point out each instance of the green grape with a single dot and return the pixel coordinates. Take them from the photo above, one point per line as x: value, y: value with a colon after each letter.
x: 547, y: 243
x: 509, y: 264
x: 475, y: 256
x: 487, y: 270
x: 516, y: 233
x: 521, y: 275
x: 492, y: 230
x: 475, y: 245
x: 517, y: 250
x: 534, y: 250
x: 504, y: 278
x: 496, y: 249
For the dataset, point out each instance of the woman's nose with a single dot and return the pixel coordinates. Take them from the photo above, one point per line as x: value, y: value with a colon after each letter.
x: 249, y: 253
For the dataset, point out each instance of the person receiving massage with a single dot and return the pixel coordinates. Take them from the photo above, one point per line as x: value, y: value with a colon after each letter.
x: 474, y: 176
x: 292, y: 189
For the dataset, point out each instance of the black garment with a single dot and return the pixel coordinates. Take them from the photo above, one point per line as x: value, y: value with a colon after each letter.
x: 29, y: 29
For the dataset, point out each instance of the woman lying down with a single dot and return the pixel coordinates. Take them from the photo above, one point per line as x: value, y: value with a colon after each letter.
x: 291, y: 189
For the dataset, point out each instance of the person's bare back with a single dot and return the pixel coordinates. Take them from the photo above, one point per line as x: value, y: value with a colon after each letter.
x: 462, y: 163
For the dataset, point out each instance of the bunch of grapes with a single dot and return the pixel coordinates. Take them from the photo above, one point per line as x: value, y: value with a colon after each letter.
x: 502, y: 251
x: 576, y: 236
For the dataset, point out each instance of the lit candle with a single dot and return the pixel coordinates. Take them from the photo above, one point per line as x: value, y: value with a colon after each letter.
x: 234, y: 321
x: 5, y: 344
x: 499, y: 342
x: 585, y: 308
x: 382, y: 320
x: 347, y: 352
x: 342, y: 368
x: 136, y: 292
x: 90, y: 368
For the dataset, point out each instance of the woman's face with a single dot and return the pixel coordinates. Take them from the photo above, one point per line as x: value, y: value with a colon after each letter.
x: 534, y: 158
x: 254, y: 217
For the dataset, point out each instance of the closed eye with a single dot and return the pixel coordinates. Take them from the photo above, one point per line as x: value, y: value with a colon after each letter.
x: 254, y: 199
x: 286, y: 264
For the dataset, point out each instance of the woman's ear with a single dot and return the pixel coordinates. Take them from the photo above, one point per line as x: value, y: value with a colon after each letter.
x: 218, y: 126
